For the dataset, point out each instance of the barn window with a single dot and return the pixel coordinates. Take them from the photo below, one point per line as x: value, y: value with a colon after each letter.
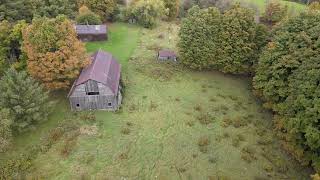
x: 78, y: 105
x: 109, y: 104
x: 92, y: 88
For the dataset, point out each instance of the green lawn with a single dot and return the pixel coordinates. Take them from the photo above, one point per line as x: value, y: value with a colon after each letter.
x: 167, y: 110
x: 293, y: 7
x: 123, y: 39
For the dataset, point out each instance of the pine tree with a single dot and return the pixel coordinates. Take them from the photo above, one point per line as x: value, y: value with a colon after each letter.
x: 25, y: 98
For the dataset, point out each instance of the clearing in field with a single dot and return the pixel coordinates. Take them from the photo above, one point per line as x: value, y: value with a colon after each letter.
x: 174, y: 124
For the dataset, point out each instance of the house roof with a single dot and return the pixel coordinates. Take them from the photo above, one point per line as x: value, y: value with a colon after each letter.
x: 104, y: 69
x: 91, y: 29
x: 167, y: 53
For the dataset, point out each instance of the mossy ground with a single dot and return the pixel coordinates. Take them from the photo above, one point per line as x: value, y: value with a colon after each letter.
x: 174, y: 124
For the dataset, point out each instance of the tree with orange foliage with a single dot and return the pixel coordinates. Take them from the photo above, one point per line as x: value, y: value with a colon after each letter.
x: 55, y: 55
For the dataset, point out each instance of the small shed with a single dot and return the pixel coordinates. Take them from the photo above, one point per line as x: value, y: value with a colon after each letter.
x: 98, y: 86
x: 167, y: 55
x: 92, y: 32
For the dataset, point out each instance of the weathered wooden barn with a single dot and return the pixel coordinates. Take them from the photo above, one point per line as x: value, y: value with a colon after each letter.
x: 98, y: 86
x: 167, y: 55
x: 92, y: 32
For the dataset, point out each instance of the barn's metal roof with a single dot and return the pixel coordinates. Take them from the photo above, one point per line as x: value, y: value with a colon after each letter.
x: 167, y: 53
x: 104, y: 69
x: 91, y: 29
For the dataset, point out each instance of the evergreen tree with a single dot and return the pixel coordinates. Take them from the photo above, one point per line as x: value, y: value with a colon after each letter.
x: 238, y: 48
x: 53, y: 8
x: 199, y: 38
x: 25, y: 98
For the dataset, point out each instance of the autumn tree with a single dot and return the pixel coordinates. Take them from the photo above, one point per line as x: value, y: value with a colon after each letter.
x: 55, y: 55
x: 104, y: 8
x: 25, y: 98
x: 287, y: 78
x: 86, y: 16
x: 5, y: 129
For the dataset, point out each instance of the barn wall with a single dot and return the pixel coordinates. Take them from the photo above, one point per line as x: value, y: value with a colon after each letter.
x: 93, y: 37
x: 79, y: 100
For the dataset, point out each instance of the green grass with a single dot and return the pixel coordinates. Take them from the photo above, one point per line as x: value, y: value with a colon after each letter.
x: 161, y: 108
x: 294, y: 8
x: 123, y: 39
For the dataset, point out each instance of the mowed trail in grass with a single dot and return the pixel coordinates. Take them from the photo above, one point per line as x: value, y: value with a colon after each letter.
x: 175, y: 124
x: 122, y: 41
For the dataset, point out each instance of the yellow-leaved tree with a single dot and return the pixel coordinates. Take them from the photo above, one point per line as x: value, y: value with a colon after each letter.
x: 55, y: 55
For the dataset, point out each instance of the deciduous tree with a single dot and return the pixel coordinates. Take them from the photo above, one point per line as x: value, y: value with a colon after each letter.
x: 86, y: 16
x: 55, y: 55
x: 104, y: 8
x: 147, y: 12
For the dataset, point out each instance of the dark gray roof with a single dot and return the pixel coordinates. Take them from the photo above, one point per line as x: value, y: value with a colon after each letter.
x: 167, y: 53
x: 104, y: 69
x: 91, y: 29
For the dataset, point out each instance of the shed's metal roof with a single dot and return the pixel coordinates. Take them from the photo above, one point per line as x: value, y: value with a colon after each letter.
x: 104, y: 69
x: 167, y: 53
x: 91, y: 29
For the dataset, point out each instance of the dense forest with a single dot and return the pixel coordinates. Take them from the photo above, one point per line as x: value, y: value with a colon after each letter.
x: 40, y: 53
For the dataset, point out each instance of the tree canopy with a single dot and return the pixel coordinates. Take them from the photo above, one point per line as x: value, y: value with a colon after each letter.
x: 86, y: 16
x: 104, y: 8
x: 25, y: 98
x: 229, y: 42
x: 55, y: 55
x: 146, y: 12
x: 288, y: 77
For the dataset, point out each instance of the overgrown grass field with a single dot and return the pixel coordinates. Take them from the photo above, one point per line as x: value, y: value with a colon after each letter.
x: 174, y: 124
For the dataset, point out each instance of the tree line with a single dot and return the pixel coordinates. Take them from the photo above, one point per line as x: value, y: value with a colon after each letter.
x: 284, y: 62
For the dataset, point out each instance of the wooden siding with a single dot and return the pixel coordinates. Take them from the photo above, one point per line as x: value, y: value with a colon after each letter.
x: 79, y: 100
x: 93, y: 37
x: 91, y: 86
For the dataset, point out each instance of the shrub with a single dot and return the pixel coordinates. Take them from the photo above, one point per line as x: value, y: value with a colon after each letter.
x: 125, y: 131
x: 5, y: 129
x: 146, y: 12
x: 29, y: 104
x: 203, y: 142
